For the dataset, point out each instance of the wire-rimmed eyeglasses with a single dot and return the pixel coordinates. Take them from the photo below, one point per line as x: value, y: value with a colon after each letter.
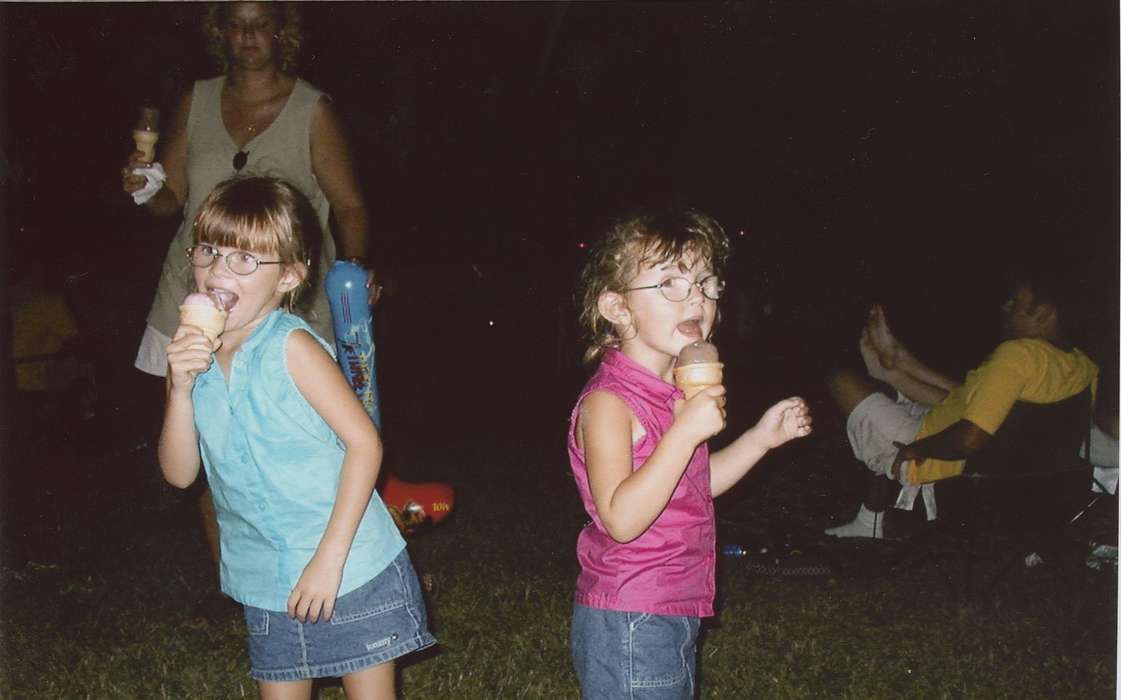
x: 678, y: 288
x: 239, y: 262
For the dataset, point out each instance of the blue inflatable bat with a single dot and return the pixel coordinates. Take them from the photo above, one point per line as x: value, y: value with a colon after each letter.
x: 354, y: 332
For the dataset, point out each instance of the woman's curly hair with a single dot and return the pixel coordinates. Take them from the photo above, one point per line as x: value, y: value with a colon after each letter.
x: 648, y: 238
x: 289, y: 33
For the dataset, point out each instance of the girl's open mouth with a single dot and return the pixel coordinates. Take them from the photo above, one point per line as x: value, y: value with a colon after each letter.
x: 690, y: 328
x: 223, y: 298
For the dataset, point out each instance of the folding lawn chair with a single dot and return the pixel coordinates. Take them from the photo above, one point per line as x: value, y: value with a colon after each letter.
x: 1018, y: 495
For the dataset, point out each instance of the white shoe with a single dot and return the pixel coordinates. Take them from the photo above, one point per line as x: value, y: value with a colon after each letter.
x: 866, y: 524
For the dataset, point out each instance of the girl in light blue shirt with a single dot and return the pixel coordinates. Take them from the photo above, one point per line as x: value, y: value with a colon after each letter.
x: 307, y: 546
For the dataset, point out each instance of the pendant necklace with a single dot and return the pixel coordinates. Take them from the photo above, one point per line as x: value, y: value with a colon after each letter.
x: 242, y: 156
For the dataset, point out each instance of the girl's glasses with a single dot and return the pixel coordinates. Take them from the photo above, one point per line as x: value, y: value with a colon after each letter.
x: 679, y: 288
x: 239, y: 262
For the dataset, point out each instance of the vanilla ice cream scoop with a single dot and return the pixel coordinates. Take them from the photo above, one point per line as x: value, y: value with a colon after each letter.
x: 147, y: 132
x: 698, y: 367
x: 696, y: 353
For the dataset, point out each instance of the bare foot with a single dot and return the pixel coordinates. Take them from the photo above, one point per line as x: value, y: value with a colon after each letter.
x: 873, y: 363
x: 881, y: 338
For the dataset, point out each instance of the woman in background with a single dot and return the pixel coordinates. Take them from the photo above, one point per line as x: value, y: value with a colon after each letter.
x: 254, y: 119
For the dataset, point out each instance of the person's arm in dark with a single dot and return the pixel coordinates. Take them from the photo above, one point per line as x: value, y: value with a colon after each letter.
x: 955, y: 442
x: 333, y: 167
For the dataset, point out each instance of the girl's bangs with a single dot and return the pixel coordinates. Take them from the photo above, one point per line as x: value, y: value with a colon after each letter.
x: 253, y: 234
x: 661, y: 250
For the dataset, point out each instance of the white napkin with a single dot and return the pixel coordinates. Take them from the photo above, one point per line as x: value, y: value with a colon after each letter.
x: 1103, y: 455
x: 155, y: 176
x: 907, y: 494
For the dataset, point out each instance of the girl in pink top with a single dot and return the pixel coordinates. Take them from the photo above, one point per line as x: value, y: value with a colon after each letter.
x: 640, y: 459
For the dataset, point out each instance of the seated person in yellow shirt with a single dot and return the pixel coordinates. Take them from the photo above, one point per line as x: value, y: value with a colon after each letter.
x: 935, y: 422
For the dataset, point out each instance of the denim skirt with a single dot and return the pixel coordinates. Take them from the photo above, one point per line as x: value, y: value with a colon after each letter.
x: 377, y: 622
x: 634, y: 655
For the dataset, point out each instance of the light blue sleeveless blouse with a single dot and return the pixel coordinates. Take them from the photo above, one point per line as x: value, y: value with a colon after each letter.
x: 273, y: 465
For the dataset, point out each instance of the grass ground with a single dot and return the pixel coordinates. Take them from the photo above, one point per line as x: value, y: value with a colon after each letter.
x: 103, y: 564
x: 101, y: 607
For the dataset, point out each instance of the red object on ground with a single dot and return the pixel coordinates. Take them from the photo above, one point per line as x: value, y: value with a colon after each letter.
x: 418, y: 502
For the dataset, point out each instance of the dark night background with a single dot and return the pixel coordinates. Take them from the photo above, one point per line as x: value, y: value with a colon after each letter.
x: 854, y: 150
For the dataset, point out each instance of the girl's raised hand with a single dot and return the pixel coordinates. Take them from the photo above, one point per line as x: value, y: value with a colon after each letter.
x: 703, y: 415
x: 313, y: 598
x: 786, y: 420
x: 189, y: 354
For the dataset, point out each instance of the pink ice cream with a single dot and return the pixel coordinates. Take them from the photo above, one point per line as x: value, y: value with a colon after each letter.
x: 199, y: 299
x: 218, y: 298
x: 208, y: 311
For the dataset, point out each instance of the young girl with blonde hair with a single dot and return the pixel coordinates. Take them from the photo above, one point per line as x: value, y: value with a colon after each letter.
x: 307, y: 547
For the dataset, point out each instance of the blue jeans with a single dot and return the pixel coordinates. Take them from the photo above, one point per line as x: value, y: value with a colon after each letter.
x: 634, y: 655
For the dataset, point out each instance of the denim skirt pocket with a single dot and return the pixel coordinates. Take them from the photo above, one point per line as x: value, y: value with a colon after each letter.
x: 256, y: 621
x: 350, y: 611
x: 663, y: 650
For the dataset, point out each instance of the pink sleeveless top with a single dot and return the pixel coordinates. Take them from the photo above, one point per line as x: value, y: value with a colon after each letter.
x: 671, y: 568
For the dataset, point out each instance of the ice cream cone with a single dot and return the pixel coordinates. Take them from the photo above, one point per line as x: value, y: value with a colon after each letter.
x: 146, y: 142
x: 210, y: 320
x: 695, y: 378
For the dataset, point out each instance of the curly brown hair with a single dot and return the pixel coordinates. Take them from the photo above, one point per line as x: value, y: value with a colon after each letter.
x: 646, y: 238
x: 289, y: 34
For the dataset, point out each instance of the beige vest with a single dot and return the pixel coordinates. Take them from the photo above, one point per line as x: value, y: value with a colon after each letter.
x: 283, y: 150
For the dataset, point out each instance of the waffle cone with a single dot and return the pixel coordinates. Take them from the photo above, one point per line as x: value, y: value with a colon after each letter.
x: 692, y: 379
x: 209, y: 320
